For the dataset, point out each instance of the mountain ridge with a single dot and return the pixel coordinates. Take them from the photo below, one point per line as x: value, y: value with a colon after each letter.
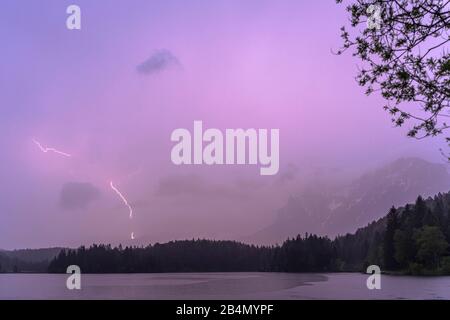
x: 336, y: 210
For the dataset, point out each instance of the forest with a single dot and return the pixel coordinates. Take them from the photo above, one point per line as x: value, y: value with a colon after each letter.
x: 409, y: 240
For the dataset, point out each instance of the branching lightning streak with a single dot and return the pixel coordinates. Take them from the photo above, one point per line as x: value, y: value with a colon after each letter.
x: 45, y: 149
x: 123, y: 198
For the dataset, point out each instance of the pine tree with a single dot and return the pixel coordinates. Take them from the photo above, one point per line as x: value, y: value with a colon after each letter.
x: 419, y: 212
x: 430, y: 219
x: 431, y: 245
x: 388, y: 242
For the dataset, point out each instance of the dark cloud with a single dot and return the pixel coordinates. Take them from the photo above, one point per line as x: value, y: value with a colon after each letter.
x: 77, y: 195
x: 157, y: 62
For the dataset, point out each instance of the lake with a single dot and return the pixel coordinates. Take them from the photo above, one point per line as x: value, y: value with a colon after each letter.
x: 238, y: 286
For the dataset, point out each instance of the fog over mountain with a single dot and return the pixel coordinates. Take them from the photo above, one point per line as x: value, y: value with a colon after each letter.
x: 335, y: 210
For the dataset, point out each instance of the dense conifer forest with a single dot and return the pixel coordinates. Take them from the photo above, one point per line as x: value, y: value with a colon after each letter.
x: 412, y: 240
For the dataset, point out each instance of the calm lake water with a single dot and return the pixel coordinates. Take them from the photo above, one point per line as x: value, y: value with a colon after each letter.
x: 222, y: 286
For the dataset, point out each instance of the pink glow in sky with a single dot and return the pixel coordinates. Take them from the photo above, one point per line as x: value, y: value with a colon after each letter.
x: 231, y: 64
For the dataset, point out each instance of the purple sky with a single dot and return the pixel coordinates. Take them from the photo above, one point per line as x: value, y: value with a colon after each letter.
x: 112, y: 93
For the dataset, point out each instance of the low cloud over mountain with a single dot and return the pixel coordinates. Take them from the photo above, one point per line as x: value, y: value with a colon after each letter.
x: 342, y: 209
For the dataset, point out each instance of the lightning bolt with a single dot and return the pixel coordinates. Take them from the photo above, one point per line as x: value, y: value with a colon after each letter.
x: 45, y: 149
x: 123, y: 198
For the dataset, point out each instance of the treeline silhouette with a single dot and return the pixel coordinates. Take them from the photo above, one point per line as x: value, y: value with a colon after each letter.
x: 199, y: 256
x: 414, y: 239
x: 14, y: 264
